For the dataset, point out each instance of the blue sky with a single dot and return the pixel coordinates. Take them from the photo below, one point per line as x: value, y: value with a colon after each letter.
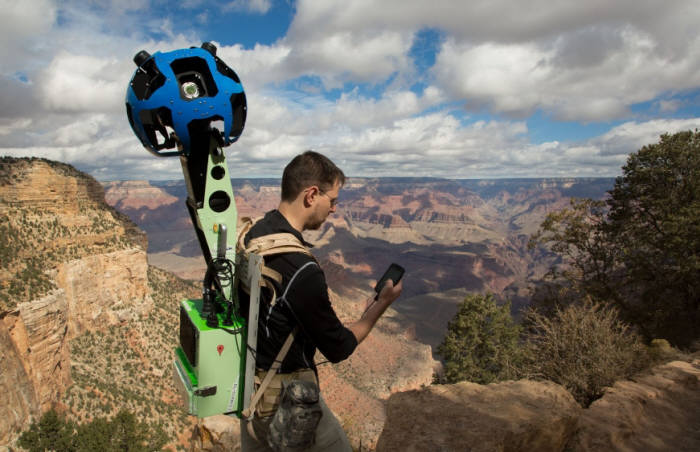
x: 479, y: 89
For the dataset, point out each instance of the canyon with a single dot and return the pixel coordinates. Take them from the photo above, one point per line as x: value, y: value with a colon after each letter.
x: 452, y: 236
x: 87, y: 327
x: 88, y: 320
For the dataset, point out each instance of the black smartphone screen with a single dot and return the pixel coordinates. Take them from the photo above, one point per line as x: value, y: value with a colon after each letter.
x: 394, y: 272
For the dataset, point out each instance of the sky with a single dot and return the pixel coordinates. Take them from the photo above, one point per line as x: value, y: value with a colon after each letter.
x: 439, y: 88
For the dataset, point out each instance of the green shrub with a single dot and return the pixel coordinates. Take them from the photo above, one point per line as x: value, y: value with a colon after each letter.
x: 52, y: 432
x: 123, y: 433
x: 481, y: 344
x: 584, y: 347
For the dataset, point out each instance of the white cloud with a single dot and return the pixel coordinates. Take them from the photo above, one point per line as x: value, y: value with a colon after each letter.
x: 202, y: 18
x: 631, y: 136
x: 8, y: 126
x: 84, y: 130
x: 502, y: 21
x: 572, y: 60
x: 517, y: 79
x: 370, y: 56
x: 356, y: 112
x: 103, y: 152
x: 435, y: 144
x: 588, y: 61
x: 258, y: 66
x: 669, y: 106
x: 21, y: 26
x: 122, y: 6
x: 84, y: 83
x: 506, y: 78
x: 20, y: 20
x: 252, y: 6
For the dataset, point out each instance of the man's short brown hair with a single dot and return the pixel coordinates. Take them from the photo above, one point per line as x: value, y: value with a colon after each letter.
x: 309, y: 169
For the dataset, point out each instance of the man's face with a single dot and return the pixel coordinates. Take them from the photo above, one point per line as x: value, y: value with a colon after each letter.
x: 326, y: 203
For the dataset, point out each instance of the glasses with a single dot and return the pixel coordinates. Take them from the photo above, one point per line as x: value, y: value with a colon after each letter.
x: 334, y: 201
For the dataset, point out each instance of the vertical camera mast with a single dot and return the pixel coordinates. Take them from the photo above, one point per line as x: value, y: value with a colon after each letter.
x: 189, y: 104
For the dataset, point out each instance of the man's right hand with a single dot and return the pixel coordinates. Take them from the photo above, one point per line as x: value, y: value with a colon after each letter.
x: 375, y: 309
x: 390, y: 292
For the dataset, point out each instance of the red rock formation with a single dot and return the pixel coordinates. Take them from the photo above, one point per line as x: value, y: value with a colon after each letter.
x: 135, y: 194
x: 19, y: 400
x: 93, y: 257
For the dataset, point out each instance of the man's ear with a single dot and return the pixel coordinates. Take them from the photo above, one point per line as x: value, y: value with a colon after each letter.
x: 310, y: 195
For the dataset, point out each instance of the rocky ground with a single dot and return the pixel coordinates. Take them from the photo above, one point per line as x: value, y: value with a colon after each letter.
x: 658, y: 410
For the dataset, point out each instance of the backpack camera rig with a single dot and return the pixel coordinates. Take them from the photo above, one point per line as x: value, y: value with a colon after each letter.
x: 189, y: 103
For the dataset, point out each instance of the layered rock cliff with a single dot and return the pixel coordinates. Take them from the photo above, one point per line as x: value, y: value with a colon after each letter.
x: 70, y: 264
x: 19, y: 399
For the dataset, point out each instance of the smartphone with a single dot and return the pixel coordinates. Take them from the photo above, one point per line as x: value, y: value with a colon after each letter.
x: 394, y: 272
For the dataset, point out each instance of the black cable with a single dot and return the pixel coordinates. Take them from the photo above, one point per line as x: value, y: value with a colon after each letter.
x: 368, y: 307
x: 304, y: 332
x: 238, y: 347
x: 233, y: 332
x: 224, y: 273
x: 289, y: 306
x: 255, y: 355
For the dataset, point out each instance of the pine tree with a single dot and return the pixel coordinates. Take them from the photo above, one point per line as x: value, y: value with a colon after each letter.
x: 481, y: 344
x: 52, y: 432
x: 640, y: 250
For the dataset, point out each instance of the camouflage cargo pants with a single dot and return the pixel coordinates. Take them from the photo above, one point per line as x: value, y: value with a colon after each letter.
x: 329, y: 434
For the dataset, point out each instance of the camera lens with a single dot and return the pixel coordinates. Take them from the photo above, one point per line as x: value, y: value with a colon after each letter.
x: 190, y: 90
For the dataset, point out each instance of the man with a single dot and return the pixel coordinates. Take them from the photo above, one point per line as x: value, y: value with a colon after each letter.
x: 310, y: 187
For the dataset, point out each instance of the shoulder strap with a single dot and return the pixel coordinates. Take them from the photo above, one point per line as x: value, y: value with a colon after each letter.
x: 269, y: 245
x: 283, y: 242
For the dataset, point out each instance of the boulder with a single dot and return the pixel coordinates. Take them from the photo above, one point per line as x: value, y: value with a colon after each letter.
x: 657, y: 411
x: 507, y: 416
x: 219, y: 433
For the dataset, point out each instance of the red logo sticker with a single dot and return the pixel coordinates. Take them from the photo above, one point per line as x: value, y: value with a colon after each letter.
x: 219, y: 348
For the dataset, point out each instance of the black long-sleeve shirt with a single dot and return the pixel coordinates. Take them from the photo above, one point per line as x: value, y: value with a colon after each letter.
x: 306, y: 304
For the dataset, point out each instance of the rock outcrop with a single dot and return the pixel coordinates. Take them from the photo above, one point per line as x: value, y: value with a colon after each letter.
x: 217, y: 434
x: 515, y: 415
x: 136, y: 194
x: 657, y: 411
x: 104, y: 289
x: 39, y: 333
x: 18, y: 394
x: 46, y: 186
x: 70, y: 263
